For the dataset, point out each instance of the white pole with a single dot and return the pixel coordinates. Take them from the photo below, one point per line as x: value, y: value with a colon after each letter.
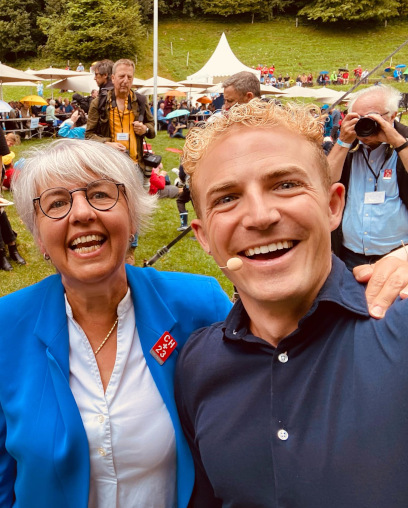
x: 155, y: 58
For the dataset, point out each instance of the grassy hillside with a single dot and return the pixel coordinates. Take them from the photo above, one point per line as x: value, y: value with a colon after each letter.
x: 310, y: 47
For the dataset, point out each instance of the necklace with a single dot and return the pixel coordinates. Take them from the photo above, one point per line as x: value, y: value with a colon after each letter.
x: 107, y: 337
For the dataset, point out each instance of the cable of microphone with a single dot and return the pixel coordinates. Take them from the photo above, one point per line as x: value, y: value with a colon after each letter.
x: 233, y: 264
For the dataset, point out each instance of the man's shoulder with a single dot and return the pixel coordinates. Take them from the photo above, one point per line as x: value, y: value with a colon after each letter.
x: 203, y: 349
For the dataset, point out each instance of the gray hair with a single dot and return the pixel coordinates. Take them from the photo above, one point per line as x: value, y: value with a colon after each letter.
x: 390, y: 94
x: 244, y: 82
x: 123, y: 61
x: 75, y: 162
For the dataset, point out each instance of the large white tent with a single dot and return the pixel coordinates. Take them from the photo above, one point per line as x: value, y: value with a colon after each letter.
x: 222, y: 64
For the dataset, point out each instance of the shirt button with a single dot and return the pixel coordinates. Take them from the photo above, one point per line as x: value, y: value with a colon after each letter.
x: 283, y: 358
x: 102, y: 452
x: 366, y: 214
x: 365, y: 232
x: 366, y: 249
x: 282, y: 435
x: 370, y: 179
x: 101, y: 418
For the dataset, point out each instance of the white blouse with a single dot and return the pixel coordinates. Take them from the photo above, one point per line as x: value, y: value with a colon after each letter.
x: 130, y: 434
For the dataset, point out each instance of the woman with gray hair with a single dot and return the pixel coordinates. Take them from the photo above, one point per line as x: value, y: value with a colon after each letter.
x: 87, y: 415
x: 50, y: 113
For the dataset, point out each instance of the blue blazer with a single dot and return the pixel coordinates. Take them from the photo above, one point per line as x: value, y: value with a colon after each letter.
x: 44, y: 454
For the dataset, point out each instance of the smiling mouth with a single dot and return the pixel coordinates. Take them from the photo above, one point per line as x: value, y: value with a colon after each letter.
x: 87, y: 243
x: 269, y: 251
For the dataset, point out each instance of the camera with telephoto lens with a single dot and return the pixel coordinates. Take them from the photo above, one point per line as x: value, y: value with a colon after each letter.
x: 366, y: 127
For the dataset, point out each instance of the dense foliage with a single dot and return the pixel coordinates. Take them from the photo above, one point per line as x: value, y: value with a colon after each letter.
x: 90, y: 29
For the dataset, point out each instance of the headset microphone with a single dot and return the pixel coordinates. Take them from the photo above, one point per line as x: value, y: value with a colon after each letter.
x: 233, y: 264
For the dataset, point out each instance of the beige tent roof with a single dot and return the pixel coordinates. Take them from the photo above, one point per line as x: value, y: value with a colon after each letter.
x: 222, y: 64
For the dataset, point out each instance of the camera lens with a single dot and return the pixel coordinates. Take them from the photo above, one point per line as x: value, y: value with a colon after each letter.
x: 366, y: 127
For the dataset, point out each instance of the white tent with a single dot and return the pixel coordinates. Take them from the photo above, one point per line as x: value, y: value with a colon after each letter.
x: 222, y: 64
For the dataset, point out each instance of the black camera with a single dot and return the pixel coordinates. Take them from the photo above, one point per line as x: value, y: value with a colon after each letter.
x: 366, y: 127
x: 151, y: 160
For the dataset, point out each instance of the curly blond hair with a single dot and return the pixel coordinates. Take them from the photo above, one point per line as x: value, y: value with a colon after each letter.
x: 256, y: 113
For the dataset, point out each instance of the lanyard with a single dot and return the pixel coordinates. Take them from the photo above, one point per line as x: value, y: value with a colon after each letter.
x: 121, y: 117
x: 376, y: 176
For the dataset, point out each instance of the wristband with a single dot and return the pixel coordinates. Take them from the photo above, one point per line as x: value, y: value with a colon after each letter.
x: 343, y: 144
x: 399, y: 148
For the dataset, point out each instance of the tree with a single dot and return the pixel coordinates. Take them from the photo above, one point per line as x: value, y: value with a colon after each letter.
x: 94, y: 29
x: 18, y: 28
x: 264, y: 8
x: 350, y: 10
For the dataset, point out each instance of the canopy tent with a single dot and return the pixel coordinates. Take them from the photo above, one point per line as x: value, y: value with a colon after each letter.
x: 222, y: 64
x: 53, y: 73
x: 9, y: 74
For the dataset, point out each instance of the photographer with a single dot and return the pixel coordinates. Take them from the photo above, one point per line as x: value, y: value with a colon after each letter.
x: 371, y: 159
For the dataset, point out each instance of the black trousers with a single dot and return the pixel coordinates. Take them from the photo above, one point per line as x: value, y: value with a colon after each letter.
x: 7, y: 234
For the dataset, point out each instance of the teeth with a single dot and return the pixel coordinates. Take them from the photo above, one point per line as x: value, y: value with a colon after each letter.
x: 83, y: 250
x: 272, y: 247
x: 87, y: 238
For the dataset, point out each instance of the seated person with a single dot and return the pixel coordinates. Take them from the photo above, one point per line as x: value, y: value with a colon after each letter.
x: 50, y: 117
x: 66, y: 107
x: 75, y: 126
x: 175, y: 129
x: 161, y: 116
x: 160, y: 184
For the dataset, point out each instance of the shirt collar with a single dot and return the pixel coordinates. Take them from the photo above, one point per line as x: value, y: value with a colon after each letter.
x: 340, y: 288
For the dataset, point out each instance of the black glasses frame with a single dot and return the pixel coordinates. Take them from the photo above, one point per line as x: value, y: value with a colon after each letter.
x: 83, y: 189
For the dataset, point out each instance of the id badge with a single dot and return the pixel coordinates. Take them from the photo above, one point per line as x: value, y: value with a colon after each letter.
x: 374, y: 198
x: 122, y: 136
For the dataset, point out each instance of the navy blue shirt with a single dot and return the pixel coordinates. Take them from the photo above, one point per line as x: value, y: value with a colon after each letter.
x: 321, y: 421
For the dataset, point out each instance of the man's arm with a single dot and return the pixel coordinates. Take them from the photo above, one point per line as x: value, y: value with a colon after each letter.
x: 149, y: 122
x: 203, y: 492
x: 92, y: 123
x: 338, y: 153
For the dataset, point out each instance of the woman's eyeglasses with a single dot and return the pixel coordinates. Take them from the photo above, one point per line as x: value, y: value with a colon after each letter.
x: 56, y: 203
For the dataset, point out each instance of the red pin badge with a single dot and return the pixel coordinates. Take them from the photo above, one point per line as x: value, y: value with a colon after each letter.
x: 163, y: 348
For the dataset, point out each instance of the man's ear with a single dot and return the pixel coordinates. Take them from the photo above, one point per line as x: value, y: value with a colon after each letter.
x: 199, y: 232
x: 336, y: 204
x: 249, y: 96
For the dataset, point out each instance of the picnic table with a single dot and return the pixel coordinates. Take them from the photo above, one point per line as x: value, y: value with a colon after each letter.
x: 29, y: 125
